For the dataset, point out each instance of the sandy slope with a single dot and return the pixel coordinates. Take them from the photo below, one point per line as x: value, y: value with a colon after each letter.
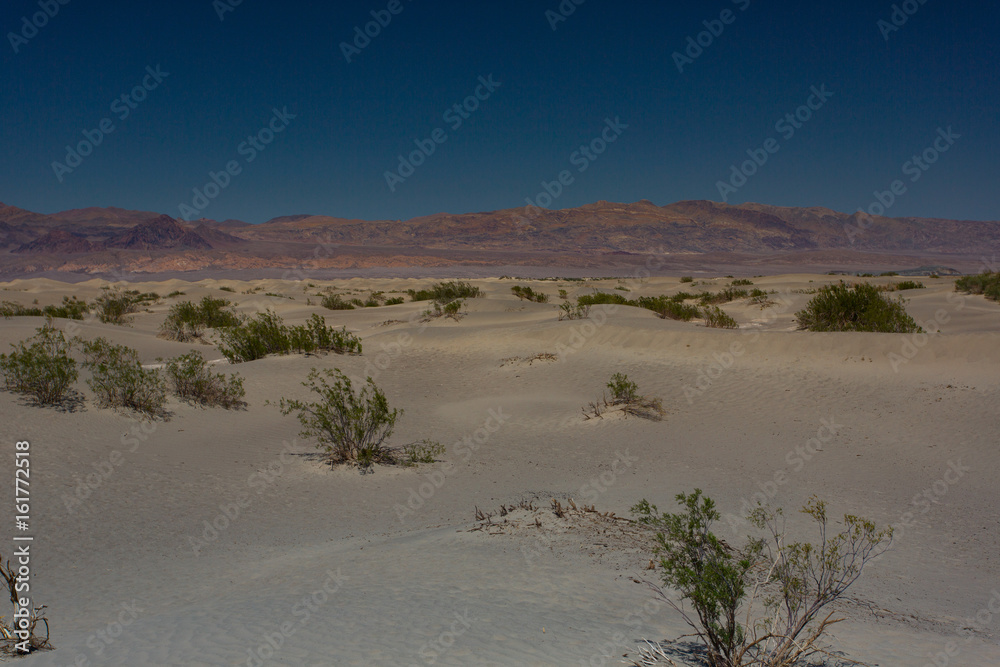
x: 384, y: 569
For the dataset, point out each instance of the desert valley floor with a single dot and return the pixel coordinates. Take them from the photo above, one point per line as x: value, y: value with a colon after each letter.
x: 393, y: 568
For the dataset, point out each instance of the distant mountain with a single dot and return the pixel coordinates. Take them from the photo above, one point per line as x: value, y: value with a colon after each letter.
x: 158, y: 234
x: 599, y: 234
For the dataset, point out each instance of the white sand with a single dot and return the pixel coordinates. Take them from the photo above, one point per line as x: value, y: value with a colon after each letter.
x: 420, y: 589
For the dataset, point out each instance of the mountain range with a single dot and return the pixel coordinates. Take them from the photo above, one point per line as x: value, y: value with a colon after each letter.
x: 95, y: 241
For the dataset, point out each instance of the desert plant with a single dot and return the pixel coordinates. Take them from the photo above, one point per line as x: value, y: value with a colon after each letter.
x: 71, y: 308
x: 423, y: 451
x: 446, y: 292
x: 351, y: 426
x: 120, y: 381
x: 600, y: 298
x: 563, y: 294
x: 741, y: 282
x: 21, y: 636
x: 622, y: 389
x: 568, y: 311
x: 187, y: 321
x: 41, y: 366
x: 523, y: 293
x: 668, y: 307
x: 115, y: 305
x: 792, y: 581
x: 905, y: 285
x: 717, y: 318
x: 860, y: 307
x: 687, y: 279
x: 191, y: 380
x: 394, y: 301
x: 228, y: 289
x: 625, y: 397
x: 987, y: 284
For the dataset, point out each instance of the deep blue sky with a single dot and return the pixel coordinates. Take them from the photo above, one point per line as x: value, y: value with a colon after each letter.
x: 606, y: 60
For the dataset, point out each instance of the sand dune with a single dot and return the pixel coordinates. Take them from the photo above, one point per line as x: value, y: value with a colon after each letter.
x: 338, y: 568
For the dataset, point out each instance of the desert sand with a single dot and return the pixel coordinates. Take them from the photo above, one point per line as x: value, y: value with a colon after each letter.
x: 392, y: 568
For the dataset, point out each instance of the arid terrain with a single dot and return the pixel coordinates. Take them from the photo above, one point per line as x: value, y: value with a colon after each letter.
x: 212, y: 536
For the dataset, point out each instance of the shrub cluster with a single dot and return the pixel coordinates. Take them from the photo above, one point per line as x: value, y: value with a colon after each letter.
x: 672, y: 307
x: 40, y: 367
x: 725, y: 296
x: 626, y: 398
x: 523, y: 293
x: 904, y: 285
x: 116, y: 306
x: 717, y: 318
x: 187, y: 321
x: 191, y: 380
x: 71, y: 309
x: 446, y: 292
x: 120, y: 381
x: 334, y: 301
x: 987, y: 284
x: 257, y: 337
x: 568, y: 311
x: 860, y: 307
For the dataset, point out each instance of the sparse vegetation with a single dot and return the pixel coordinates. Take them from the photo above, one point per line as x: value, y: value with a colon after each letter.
x: 336, y: 302
x: 523, y: 293
x: 779, y: 587
x: 625, y: 397
x: 255, y: 338
x: 987, y: 284
x: 446, y: 292
x: 668, y: 307
x: 120, y: 381
x: 351, y: 426
x: 40, y: 367
x: 452, y: 309
x: 191, y: 380
x: 687, y: 279
x: 424, y: 451
x: 568, y: 311
x: 860, y: 307
x: 904, y: 285
x: 187, y: 321
x: 227, y: 289
x: 601, y: 298
x: 739, y: 282
x: 71, y: 309
x: 116, y: 306
x: 716, y: 318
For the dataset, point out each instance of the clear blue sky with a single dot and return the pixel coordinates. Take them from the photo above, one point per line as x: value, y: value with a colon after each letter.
x: 557, y: 87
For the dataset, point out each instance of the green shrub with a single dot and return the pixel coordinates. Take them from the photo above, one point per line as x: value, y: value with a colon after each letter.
x: 191, y: 380
x: 601, y: 298
x: 717, y: 318
x: 187, y: 321
x: 523, y: 293
x: 888, y: 274
x: 120, y: 381
x: 777, y: 587
x: 687, y: 279
x: 71, y: 309
x: 424, y: 451
x: 668, y: 307
x: 175, y: 293
x: 987, y: 284
x: 563, y: 294
x: 115, y: 305
x: 40, y: 367
x: 394, y: 301
x: 228, y: 289
x: 907, y: 284
x: 622, y: 389
x: 861, y: 307
x: 741, y: 282
x: 265, y: 334
x: 446, y: 292
x: 725, y: 296
x: 351, y: 426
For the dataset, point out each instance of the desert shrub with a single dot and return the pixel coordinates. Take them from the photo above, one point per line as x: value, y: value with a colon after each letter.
x: 351, y: 426
x: 600, y: 298
x: 725, y: 296
x: 717, y: 318
x: 888, y: 274
x: 792, y: 582
x: 115, y: 305
x: 681, y: 296
x: 255, y: 338
x: 568, y: 311
x: 446, y: 292
x: 622, y: 389
x: 22, y: 636
x: 394, y: 301
x: 907, y: 284
x: 40, y: 367
x: 668, y: 307
x: 861, y: 307
x: 523, y: 293
x: 120, y: 381
x: 227, y: 289
x: 987, y: 284
x: 424, y: 451
x: 741, y: 282
x: 187, y: 321
x: 687, y: 279
x: 191, y: 380
x: 71, y: 309
x: 563, y: 294
x: 175, y: 293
